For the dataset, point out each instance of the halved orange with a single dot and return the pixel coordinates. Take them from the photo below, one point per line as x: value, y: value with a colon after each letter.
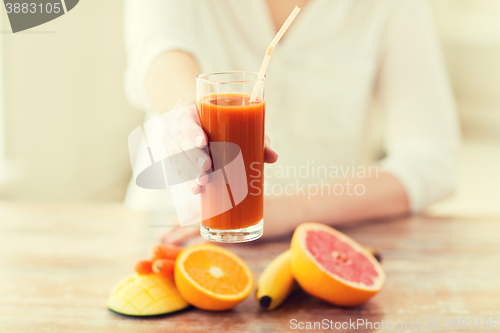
x: 212, y: 278
x: 333, y: 267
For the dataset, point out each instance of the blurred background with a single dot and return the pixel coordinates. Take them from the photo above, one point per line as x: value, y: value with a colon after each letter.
x: 64, y: 119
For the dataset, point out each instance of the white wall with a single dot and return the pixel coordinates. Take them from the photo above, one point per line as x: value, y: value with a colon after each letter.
x: 67, y: 120
x: 470, y: 33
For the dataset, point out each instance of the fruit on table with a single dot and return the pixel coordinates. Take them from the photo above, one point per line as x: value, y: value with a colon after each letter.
x: 164, y: 267
x: 276, y: 282
x: 143, y: 267
x: 163, y: 251
x: 331, y: 266
x: 212, y: 278
x: 146, y: 295
x: 374, y: 253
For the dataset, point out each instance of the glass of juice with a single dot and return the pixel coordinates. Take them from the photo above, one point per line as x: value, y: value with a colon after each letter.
x: 232, y: 203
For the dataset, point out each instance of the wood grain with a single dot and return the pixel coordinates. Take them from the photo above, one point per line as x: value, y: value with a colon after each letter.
x: 58, y: 264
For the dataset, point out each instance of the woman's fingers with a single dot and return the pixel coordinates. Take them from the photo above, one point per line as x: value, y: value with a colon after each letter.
x: 197, y: 156
x: 183, y: 140
x: 183, y: 165
x: 194, y: 186
x: 188, y: 122
x: 190, y: 137
x: 270, y: 156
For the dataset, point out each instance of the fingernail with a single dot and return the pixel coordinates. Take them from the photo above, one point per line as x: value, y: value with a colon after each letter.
x: 200, y: 141
x: 202, y: 180
x: 201, y: 161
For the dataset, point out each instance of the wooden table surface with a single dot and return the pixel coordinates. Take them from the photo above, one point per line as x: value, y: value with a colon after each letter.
x: 58, y: 264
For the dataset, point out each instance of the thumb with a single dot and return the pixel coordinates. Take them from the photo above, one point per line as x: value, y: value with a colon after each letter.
x: 270, y: 156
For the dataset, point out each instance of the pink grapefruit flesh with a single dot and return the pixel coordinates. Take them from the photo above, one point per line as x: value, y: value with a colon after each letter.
x: 338, y: 258
x: 333, y: 267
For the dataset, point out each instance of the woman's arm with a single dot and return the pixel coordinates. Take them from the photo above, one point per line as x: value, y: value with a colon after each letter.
x: 383, y: 196
x: 161, y: 53
x: 170, y: 79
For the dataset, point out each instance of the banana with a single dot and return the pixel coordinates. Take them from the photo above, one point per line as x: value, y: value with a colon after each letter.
x: 276, y: 282
x: 374, y: 253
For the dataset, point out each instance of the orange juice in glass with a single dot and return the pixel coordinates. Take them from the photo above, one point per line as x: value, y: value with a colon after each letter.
x: 232, y: 203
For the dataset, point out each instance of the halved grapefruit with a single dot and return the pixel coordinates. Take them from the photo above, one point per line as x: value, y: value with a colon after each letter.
x: 331, y: 266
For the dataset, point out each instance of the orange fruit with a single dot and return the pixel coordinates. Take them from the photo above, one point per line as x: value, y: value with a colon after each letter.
x: 331, y: 266
x: 212, y: 278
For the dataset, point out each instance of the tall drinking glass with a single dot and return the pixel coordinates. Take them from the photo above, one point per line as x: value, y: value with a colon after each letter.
x: 232, y: 203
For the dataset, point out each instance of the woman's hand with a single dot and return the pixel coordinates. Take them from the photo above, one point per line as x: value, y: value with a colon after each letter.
x: 186, y: 132
x: 270, y: 156
x: 184, y: 139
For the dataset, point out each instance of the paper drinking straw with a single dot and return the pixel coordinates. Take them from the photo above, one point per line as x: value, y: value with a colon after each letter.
x: 269, y: 51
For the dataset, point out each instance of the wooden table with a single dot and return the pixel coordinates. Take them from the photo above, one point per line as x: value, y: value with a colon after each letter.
x: 58, y: 264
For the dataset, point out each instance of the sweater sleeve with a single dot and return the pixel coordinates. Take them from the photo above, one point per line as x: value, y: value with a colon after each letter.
x: 153, y: 27
x: 421, y: 127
